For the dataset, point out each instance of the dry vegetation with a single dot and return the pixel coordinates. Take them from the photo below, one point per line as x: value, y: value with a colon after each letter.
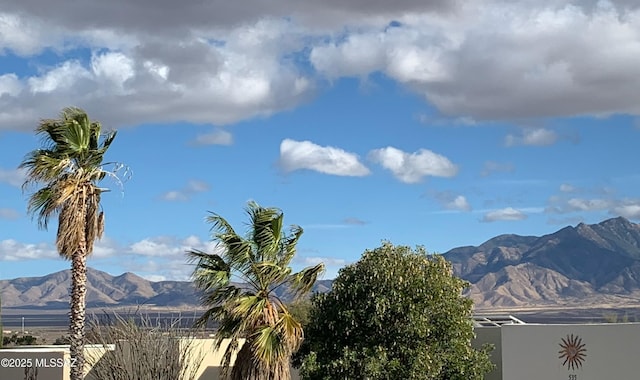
x: 145, y: 349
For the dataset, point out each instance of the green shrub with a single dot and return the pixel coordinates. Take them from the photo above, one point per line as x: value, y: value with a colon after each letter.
x: 397, y: 313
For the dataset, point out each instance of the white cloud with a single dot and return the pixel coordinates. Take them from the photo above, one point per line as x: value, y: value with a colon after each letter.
x: 113, y: 69
x: 567, y: 188
x: 186, y: 77
x: 59, y: 79
x: 196, y: 186
x: 629, y: 211
x: 153, y: 247
x: 459, y: 203
x: 298, y: 155
x: 161, y: 258
x: 10, y: 85
x: 534, y: 137
x: 491, y: 167
x: 354, y: 221
x: 357, y: 56
x: 546, y: 59
x: 26, y: 35
x: 580, y: 204
x: 217, y: 137
x: 166, y: 246
x: 625, y: 207
x: 106, y: 247
x: 12, y: 250
x: 328, y: 261
x: 160, y: 268
x: 156, y: 257
x: 154, y: 277
x: 202, y: 63
x: 14, y: 177
x: 452, y: 201
x: 9, y: 213
x: 505, y: 214
x: 413, y: 167
x: 443, y: 121
x: 174, y: 195
x: 191, y: 188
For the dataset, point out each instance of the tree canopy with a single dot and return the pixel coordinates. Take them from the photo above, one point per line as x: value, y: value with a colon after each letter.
x: 397, y: 313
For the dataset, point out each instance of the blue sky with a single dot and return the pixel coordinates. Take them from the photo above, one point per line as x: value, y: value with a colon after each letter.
x: 432, y: 123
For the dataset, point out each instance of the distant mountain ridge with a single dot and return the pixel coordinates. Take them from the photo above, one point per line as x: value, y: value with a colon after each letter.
x: 598, y: 263
x: 575, y: 266
x: 104, y: 290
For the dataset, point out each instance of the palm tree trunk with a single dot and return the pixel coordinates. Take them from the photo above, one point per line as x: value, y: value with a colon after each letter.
x: 247, y: 366
x: 77, y: 316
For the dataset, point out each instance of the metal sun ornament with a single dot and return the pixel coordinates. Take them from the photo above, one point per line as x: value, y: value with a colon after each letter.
x: 573, y: 352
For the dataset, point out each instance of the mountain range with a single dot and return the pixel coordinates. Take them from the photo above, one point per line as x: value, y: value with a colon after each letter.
x: 596, y: 264
x: 104, y: 290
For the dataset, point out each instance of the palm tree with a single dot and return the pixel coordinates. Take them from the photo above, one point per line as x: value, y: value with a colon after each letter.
x: 251, y: 308
x: 69, y: 167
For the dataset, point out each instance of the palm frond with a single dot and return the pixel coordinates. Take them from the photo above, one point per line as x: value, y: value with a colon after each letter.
x: 302, y: 282
x: 238, y: 252
x: 93, y: 216
x: 72, y: 219
x: 228, y: 355
x: 78, y: 135
x: 264, y: 222
x: 291, y: 329
x: 219, y: 224
x: 43, y: 205
x: 269, y: 272
x: 45, y: 166
x: 248, y: 307
x: 269, y: 345
x: 108, y: 139
x: 211, y: 270
x: 223, y: 297
x: 207, y: 316
x: 288, y: 249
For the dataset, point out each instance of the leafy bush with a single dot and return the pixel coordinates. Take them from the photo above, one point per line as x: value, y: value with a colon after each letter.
x: 17, y: 340
x: 397, y: 313
x: 62, y: 340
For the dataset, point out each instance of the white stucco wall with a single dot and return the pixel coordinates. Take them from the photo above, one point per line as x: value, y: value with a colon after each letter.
x: 532, y: 352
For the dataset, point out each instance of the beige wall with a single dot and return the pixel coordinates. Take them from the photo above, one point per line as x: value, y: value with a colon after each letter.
x: 50, y: 363
x: 209, y: 369
x: 211, y: 359
x: 531, y: 352
x: 202, y: 350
